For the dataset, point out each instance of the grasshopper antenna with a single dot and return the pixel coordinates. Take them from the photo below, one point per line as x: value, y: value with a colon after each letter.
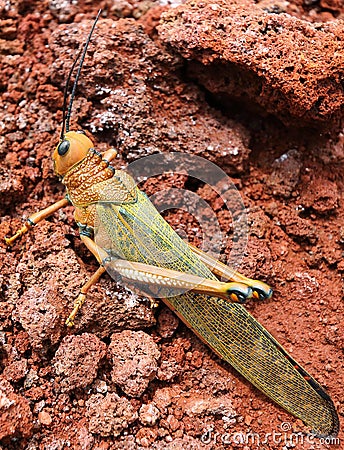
x: 66, y: 117
x: 65, y: 95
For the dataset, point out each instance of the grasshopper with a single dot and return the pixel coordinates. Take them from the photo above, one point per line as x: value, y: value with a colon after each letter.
x: 133, y: 242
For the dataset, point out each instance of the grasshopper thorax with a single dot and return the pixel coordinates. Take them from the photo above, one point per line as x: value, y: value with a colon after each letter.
x: 71, y: 149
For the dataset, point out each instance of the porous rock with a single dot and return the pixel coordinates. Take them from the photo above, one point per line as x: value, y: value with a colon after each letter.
x: 77, y: 359
x: 134, y: 357
x: 287, y: 66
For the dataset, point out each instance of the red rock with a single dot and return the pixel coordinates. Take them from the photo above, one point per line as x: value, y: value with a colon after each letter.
x: 77, y: 360
x: 335, y: 5
x: 163, y: 398
x: 38, y: 312
x: 167, y: 323
x: 149, y: 414
x: 296, y: 227
x: 172, y: 423
x: 15, y: 415
x: 134, y: 357
x: 340, y: 266
x: 199, y: 129
x: 195, y: 405
x: 45, y: 418
x: 237, y: 50
x: 187, y: 442
x: 109, y: 415
x: 172, y: 359
x: 321, y: 196
x: 196, y: 359
x: 285, y: 175
x: 16, y: 370
x: 146, y: 436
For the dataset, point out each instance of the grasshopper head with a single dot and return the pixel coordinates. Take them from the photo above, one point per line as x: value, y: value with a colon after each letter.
x: 71, y: 149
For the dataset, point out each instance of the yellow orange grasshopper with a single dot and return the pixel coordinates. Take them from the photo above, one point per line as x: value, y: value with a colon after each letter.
x: 136, y: 242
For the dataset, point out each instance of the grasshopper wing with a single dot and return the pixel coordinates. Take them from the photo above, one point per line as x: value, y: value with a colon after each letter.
x: 234, y: 334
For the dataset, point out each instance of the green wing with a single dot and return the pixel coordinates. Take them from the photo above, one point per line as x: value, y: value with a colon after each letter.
x: 137, y: 232
x: 241, y: 341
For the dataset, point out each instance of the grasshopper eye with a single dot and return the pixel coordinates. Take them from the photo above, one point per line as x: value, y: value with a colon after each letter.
x: 63, y: 147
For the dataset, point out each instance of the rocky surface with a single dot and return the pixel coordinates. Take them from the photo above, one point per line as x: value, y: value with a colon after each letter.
x: 254, y: 87
x: 239, y: 51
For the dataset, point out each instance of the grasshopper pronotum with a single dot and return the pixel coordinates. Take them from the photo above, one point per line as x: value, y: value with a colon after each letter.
x: 100, y: 193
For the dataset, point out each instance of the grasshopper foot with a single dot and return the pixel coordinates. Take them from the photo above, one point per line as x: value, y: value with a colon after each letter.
x: 10, y: 240
x: 69, y: 322
x: 264, y: 293
x: 77, y: 305
x: 153, y: 303
x: 239, y: 293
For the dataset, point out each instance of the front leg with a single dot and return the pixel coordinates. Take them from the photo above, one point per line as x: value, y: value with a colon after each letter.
x: 37, y: 217
x: 260, y: 289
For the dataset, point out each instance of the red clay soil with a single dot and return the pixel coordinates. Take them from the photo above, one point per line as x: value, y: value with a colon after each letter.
x: 256, y: 88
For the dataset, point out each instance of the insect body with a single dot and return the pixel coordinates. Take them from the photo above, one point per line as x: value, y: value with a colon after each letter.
x: 136, y: 242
